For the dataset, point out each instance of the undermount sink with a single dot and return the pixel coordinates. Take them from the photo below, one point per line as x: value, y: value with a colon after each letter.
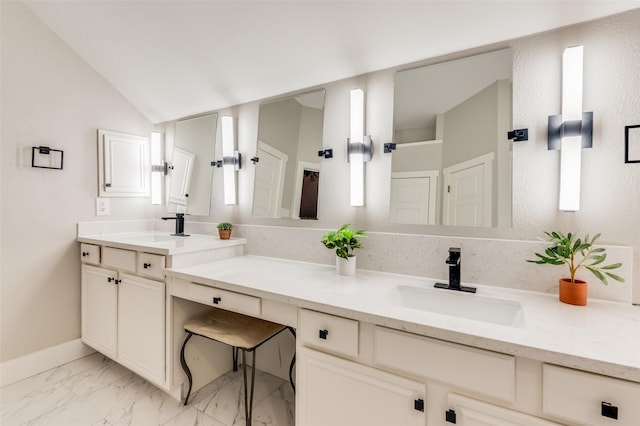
x: 154, y: 238
x: 458, y: 304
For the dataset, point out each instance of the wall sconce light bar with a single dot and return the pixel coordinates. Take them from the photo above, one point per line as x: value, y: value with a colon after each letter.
x: 359, y: 147
x: 231, y: 160
x: 572, y: 130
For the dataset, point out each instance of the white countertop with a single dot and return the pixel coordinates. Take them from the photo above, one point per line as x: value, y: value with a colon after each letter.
x: 602, y: 337
x: 160, y: 242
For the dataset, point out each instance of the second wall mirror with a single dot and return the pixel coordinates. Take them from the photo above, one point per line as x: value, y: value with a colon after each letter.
x: 452, y: 163
x: 287, y: 164
x: 191, y: 177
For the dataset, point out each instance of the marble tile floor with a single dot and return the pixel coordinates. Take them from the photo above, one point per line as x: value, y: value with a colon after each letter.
x: 97, y: 391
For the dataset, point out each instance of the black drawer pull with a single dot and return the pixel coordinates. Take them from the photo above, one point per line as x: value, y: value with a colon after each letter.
x: 146, y: 266
x: 609, y: 410
x: 217, y: 300
x: 418, y: 405
x: 323, y: 334
x: 85, y: 253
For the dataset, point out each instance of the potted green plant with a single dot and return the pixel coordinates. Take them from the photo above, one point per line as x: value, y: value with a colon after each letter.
x: 224, y: 230
x: 345, y: 242
x: 576, y: 253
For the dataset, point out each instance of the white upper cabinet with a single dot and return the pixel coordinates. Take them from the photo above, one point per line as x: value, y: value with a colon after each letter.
x: 123, y: 165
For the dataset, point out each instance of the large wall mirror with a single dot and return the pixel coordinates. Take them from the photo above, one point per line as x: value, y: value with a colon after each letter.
x: 452, y: 163
x: 288, y: 167
x: 191, y: 176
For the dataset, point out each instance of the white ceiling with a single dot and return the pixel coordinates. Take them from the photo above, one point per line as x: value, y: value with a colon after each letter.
x: 173, y: 59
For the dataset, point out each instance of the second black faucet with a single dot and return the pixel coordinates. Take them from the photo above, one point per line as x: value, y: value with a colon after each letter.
x: 453, y: 261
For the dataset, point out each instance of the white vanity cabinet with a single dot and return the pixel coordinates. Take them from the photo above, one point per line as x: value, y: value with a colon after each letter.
x: 123, y: 315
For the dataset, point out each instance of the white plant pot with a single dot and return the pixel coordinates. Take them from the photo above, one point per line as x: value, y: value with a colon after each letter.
x: 346, y: 267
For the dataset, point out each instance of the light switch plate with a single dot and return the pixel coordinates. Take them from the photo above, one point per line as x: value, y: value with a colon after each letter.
x: 103, y: 207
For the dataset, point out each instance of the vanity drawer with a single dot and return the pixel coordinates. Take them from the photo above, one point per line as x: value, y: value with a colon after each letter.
x: 225, y: 299
x: 151, y: 265
x: 120, y: 259
x: 589, y: 399
x: 90, y: 253
x: 485, y: 372
x: 328, y: 332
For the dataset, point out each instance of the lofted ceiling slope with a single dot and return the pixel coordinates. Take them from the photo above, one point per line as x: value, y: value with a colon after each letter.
x: 173, y: 59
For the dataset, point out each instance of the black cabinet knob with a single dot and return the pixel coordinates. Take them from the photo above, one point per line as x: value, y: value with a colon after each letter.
x: 609, y: 410
x: 85, y: 253
x: 418, y: 405
x: 217, y: 300
x: 323, y: 334
x: 147, y: 265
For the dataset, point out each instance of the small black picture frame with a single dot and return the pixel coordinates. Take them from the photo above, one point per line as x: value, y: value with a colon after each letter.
x: 632, y: 144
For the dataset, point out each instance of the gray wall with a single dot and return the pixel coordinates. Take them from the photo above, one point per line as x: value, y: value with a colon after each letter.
x: 50, y: 97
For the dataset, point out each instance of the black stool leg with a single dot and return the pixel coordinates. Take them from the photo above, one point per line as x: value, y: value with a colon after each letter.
x: 183, y: 361
x: 235, y: 358
x: 248, y: 393
x: 293, y: 363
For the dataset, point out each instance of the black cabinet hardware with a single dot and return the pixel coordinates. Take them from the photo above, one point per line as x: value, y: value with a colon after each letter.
x: 217, y: 300
x: 85, y: 253
x: 418, y: 405
x: 450, y: 416
x: 609, y: 410
x: 323, y: 334
x: 147, y: 266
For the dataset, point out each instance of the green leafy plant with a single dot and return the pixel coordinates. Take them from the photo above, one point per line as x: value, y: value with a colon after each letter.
x: 344, y: 240
x: 576, y: 253
x: 225, y: 226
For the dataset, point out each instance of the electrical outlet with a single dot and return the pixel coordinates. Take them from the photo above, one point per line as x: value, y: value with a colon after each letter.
x: 103, y: 207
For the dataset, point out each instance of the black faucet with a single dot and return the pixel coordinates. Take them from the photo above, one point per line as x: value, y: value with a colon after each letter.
x: 454, y: 273
x: 179, y: 224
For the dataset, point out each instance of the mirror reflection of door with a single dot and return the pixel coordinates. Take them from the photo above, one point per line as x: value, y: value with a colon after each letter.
x: 183, y: 164
x: 305, y: 200
x: 291, y: 128
x: 269, y: 181
x: 468, y: 192
x: 413, y: 197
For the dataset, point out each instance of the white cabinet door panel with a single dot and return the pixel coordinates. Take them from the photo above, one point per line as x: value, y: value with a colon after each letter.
x: 141, y: 326
x: 124, y: 168
x: 333, y: 391
x: 99, y: 313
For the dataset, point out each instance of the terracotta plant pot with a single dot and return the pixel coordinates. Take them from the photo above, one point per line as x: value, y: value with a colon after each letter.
x: 224, y: 234
x: 573, y: 293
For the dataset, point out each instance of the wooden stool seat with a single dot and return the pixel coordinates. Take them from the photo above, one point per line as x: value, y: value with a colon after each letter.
x: 241, y: 332
x: 233, y: 329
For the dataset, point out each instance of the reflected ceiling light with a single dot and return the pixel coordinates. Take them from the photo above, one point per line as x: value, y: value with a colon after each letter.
x: 358, y: 147
x: 230, y: 160
x: 572, y: 130
x: 158, y: 168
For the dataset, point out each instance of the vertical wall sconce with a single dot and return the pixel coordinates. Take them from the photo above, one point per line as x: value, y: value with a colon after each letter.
x: 572, y: 130
x: 358, y: 147
x: 158, y: 168
x: 231, y: 160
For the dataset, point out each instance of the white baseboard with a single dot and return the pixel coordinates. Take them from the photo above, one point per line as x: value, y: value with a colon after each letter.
x: 28, y: 365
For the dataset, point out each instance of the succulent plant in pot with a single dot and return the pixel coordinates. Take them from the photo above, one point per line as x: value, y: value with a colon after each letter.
x: 224, y: 230
x: 576, y: 253
x: 345, y: 242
